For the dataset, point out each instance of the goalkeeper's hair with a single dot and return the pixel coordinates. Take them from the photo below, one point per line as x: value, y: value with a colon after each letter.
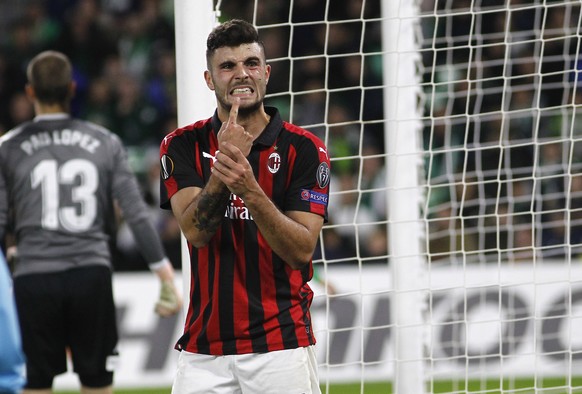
x: 50, y: 74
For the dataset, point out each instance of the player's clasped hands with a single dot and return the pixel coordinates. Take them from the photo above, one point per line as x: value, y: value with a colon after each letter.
x: 231, y: 165
x: 234, y: 170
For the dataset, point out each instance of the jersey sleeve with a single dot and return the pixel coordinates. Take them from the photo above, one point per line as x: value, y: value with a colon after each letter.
x: 309, y: 187
x: 135, y: 212
x: 181, y: 164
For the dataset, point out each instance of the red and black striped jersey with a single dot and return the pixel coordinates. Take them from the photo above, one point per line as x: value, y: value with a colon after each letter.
x: 243, y: 297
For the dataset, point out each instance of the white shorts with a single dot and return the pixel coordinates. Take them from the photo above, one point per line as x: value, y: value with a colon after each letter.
x: 291, y: 371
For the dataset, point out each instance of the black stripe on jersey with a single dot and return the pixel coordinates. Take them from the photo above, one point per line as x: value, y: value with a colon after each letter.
x: 308, y: 298
x: 202, y: 341
x: 253, y: 275
x: 225, y: 292
x: 254, y: 290
x: 284, y: 303
x: 282, y: 280
x: 194, y: 302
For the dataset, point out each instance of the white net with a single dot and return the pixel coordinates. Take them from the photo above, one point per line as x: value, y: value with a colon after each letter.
x: 501, y: 161
x: 503, y: 194
x: 501, y: 136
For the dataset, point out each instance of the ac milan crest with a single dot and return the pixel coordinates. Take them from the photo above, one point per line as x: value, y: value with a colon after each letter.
x: 274, y: 162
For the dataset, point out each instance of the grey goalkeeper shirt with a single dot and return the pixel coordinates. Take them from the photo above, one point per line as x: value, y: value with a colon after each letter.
x: 59, y: 177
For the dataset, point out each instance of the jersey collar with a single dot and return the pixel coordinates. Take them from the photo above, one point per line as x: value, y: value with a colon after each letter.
x: 55, y: 116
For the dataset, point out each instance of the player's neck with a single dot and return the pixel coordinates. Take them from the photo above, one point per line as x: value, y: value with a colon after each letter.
x: 45, y: 109
x: 255, y: 122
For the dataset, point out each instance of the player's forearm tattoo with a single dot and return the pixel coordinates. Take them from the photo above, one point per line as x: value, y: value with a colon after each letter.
x: 210, y: 211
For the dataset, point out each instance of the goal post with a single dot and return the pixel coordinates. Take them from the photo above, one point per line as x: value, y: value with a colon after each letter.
x: 403, y: 128
x: 193, y: 21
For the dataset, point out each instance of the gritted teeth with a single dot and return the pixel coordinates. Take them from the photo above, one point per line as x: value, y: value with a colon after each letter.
x: 242, y: 91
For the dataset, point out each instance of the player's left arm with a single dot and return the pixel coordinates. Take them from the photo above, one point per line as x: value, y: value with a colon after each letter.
x: 292, y: 234
x: 134, y: 211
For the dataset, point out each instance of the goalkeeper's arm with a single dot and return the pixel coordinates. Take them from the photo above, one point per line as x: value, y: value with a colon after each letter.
x: 170, y: 300
x: 135, y: 212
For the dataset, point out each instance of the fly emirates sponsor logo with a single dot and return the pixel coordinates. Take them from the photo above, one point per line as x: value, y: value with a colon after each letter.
x: 236, y: 209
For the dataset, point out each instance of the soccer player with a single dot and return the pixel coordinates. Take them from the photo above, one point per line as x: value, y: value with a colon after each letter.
x: 11, y: 355
x: 250, y: 192
x: 60, y: 180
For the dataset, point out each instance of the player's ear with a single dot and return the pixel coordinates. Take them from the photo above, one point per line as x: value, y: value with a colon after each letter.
x: 29, y: 91
x: 72, y: 89
x: 267, y: 73
x: 208, y: 79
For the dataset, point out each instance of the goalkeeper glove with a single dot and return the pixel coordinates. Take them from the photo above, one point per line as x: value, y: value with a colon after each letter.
x: 169, y: 302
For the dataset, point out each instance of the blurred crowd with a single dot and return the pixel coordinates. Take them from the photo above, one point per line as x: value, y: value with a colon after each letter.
x: 123, y: 53
x: 505, y: 152
x: 497, y: 184
x: 123, y: 58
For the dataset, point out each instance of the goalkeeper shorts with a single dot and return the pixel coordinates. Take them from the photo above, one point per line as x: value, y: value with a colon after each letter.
x: 67, y: 310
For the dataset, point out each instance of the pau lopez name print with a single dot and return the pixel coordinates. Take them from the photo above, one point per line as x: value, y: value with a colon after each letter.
x: 60, y: 137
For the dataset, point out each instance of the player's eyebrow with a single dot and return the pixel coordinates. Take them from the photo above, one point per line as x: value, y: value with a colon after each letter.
x: 246, y: 60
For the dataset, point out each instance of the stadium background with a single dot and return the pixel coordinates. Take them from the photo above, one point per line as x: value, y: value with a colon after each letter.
x: 124, y: 63
x: 124, y: 58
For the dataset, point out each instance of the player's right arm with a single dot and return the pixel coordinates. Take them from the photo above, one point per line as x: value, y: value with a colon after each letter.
x: 200, y: 211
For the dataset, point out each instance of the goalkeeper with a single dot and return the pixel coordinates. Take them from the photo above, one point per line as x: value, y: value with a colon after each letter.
x: 61, y: 181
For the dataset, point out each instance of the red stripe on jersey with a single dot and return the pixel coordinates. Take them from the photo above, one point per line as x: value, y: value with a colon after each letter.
x: 171, y: 186
x: 323, y: 158
x: 298, y: 313
x: 213, y: 141
x: 269, y: 295
x: 268, y: 288
x: 317, y: 208
x: 192, y: 289
x: 291, y: 156
x: 197, y: 155
x: 308, y: 337
x: 213, y: 328
x: 199, y: 278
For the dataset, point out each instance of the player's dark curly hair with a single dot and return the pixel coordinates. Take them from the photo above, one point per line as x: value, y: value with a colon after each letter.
x: 232, y: 33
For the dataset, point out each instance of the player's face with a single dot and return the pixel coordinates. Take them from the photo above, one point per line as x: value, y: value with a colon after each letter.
x: 239, y: 72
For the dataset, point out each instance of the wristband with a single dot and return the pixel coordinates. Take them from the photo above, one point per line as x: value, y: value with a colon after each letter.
x: 158, y: 265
